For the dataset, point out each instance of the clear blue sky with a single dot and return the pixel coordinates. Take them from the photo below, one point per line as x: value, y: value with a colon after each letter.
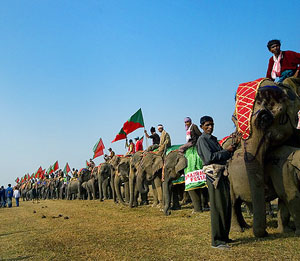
x: 74, y: 71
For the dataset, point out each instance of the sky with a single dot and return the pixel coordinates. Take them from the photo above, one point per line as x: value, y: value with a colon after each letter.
x: 72, y: 71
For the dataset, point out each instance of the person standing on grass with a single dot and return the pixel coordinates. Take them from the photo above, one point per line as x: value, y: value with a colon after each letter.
x: 9, y: 194
x: 214, y: 159
x: 2, y: 197
x: 17, y: 195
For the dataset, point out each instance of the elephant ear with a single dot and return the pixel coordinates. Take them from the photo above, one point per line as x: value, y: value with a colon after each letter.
x: 157, y: 163
x: 181, y: 164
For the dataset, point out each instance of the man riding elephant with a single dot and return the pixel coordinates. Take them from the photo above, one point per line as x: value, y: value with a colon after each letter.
x: 165, y: 142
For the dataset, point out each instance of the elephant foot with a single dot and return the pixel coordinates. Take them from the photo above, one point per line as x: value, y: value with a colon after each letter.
x: 155, y: 204
x: 167, y: 212
x: 286, y: 230
x: 260, y: 233
x: 177, y: 207
x: 145, y: 202
x: 196, y: 212
x: 237, y: 228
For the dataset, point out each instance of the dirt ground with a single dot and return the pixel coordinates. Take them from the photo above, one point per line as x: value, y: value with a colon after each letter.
x: 93, y: 230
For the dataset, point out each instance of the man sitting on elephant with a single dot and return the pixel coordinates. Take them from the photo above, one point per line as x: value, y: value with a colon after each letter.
x: 214, y: 158
x: 192, y: 134
x: 165, y: 141
x: 282, y: 64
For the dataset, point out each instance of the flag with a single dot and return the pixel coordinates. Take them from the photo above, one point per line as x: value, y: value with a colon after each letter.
x: 120, y: 136
x: 55, y: 166
x: 98, y: 149
x: 49, y: 170
x: 17, y: 180
x: 38, y: 172
x: 142, y: 139
x: 28, y: 176
x: 67, y: 169
x: 135, y: 121
x: 87, y: 163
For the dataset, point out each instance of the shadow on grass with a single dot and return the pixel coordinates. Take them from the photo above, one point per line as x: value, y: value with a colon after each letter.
x: 16, y: 258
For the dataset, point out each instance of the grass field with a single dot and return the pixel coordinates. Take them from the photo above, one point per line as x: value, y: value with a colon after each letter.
x: 106, y: 231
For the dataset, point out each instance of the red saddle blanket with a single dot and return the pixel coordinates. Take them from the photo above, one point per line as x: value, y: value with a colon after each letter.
x: 245, y: 97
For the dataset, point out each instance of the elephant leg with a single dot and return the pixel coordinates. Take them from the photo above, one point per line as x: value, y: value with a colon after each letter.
x: 106, y: 189
x: 126, y: 191
x: 158, y: 185
x: 100, y: 184
x: 186, y: 198
x: 196, y: 200
x: 155, y: 196
x: 283, y: 217
x: 175, y: 197
x: 112, y: 185
x: 167, y: 186
x: 204, y: 198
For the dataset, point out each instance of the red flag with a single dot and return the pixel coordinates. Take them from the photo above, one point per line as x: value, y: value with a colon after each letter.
x: 87, y: 163
x: 67, y: 169
x: 135, y: 121
x: 120, y: 136
x: 55, y: 166
x: 98, y: 149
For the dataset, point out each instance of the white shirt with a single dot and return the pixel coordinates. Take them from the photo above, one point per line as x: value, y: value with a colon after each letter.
x: 16, y: 193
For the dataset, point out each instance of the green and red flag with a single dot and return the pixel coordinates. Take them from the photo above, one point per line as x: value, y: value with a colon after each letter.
x: 98, y: 149
x: 120, y: 136
x: 87, y: 163
x: 135, y: 121
x: 38, y: 172
x: 55, y: 166
x: 67, y: 169
x: 17, y: 180
x: 49, y: 170
x: 28, y: 176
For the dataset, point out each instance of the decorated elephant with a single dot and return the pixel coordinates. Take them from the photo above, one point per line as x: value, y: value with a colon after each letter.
x: 91, y: 184
x: 114, y: 162
x: 84, y: 175
x: 174, y: 166
x: 73, y: 189
x: 270, y: 122
x: 150, y: 171
x: 104, y: 176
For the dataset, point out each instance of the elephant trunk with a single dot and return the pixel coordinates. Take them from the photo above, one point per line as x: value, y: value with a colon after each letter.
x: 143, y: 189
x: 167, y: 197
x: 254, y: 162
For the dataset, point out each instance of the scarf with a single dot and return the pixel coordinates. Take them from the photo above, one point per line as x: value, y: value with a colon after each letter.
x: 188, y: 134
x: 276, y: 67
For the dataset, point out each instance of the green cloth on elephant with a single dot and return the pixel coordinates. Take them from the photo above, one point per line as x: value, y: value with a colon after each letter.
x: 193, y: 177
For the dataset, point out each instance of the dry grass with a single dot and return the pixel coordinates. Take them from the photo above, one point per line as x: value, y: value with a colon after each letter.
x: 105, y: 231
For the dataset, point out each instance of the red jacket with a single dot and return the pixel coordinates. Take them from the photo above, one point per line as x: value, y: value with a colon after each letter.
x: 290, y: 61
x: 139, y: 145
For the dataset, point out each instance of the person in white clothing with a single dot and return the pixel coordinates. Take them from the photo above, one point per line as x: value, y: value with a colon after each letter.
x: 16, y: 195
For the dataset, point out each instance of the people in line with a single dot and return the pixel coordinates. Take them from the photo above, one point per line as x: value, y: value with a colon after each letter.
x: 9, y: 195
x: 138, y: 144
x: 214, y: 159
x: 282, y: 64
x: 192, y: 134
x: 17, y: 195
x: 154, y: 136
x: 130, y: 146
x: 164, y: 143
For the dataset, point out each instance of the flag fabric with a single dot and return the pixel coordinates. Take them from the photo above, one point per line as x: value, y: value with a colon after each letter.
x: 50, y: 170
x: 120, y: 136
x: 67, y: 169
x: 28, y: 176
x: 17, y: 180
x: 98, y: 149
x: 55, y: 166
x: 134, y: 122
x: 38, y: 172
x: 87, y: 163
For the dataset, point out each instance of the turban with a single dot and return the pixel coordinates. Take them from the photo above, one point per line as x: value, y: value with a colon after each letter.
x: 205, y: 119
x: 160, y: 126
x: 187, y: 119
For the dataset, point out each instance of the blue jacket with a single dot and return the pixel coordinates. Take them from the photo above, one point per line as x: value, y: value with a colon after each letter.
x: 9, y: 192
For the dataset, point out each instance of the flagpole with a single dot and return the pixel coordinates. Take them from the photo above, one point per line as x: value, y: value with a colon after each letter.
x: 146, y: 138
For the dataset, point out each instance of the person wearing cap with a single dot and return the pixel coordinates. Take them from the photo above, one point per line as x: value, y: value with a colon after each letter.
x: 192, y: 134
x: 214, y: 158
x: 110, y: 156
x: 154, y: 136
x: 130, y: 146
x: 138, y: 144
x: 282, y: 64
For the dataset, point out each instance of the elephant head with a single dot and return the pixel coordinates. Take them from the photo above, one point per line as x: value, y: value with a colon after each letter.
x: 150, y: 166
x: 273, y: 122
x: 123, y: 168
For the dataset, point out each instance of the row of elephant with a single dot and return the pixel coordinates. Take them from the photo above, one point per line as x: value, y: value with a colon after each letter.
x: 265, y: 166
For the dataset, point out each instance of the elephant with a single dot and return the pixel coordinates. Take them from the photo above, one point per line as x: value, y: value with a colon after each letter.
x: 174, y: 166
x: 273, y: 123
x: 104, y: 176
x: 73, y: 189
x: 122, y: 176
x: 283, y: 166
x: 150, y: 170
x: 133, y: 189
x: 84, y: 175
x: 114, y: 162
